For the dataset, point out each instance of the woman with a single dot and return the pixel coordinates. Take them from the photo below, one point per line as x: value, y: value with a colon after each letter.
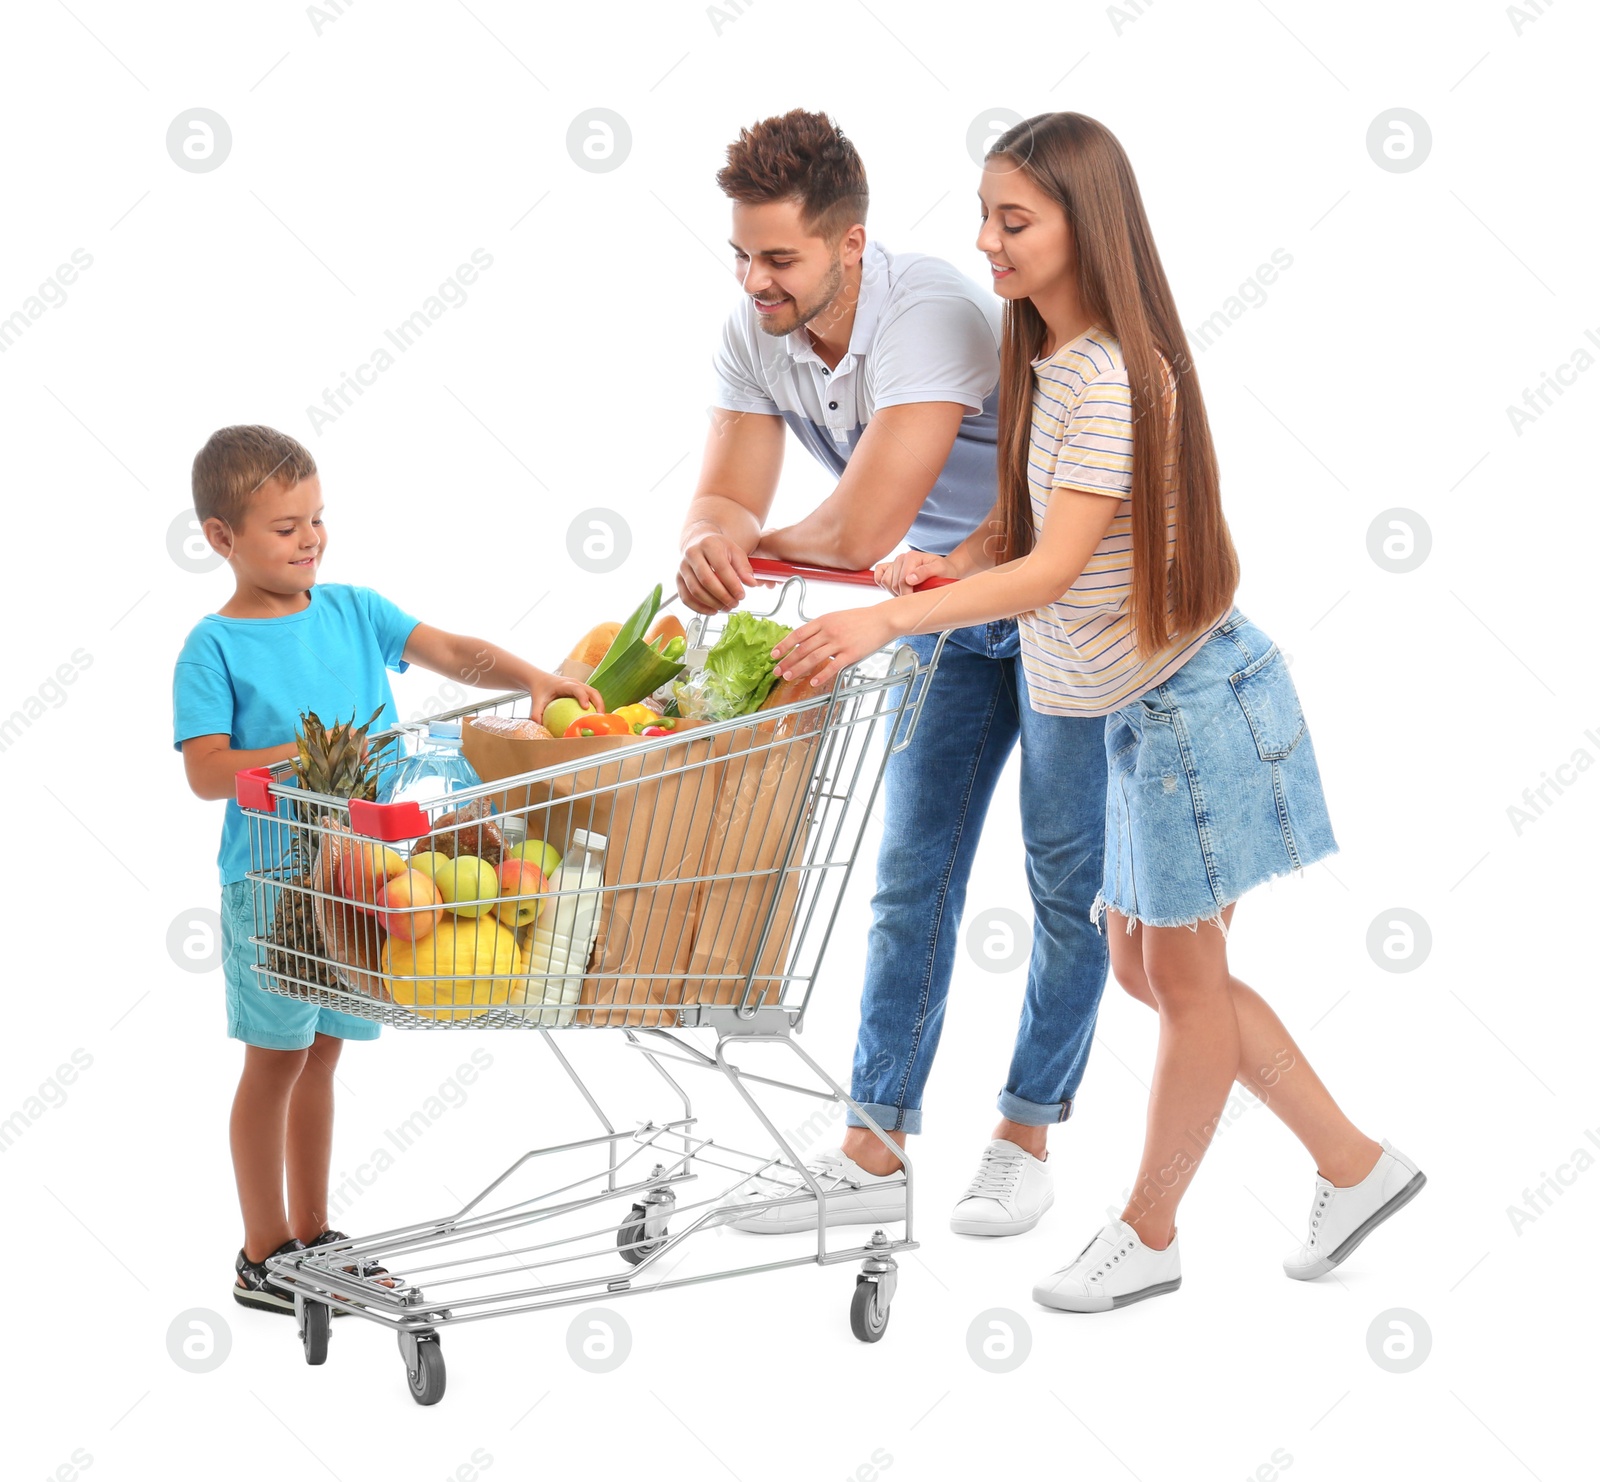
x: 1109, y: 543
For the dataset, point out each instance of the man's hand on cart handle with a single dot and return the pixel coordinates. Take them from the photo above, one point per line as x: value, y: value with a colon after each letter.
x: 715, y: 572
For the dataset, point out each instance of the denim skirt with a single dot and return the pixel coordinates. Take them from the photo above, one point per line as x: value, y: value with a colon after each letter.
x: 1213, y: 785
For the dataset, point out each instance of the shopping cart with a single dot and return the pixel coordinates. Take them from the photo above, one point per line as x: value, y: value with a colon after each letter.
x: 726, y: 851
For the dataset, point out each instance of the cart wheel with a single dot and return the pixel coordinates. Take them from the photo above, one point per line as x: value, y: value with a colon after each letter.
x: 314, y: 1334
x: 631, y: 1232
x: 427, y: 1379
x: 868, y: 1317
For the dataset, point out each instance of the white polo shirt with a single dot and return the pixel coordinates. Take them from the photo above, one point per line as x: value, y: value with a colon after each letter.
x: 923, y: 331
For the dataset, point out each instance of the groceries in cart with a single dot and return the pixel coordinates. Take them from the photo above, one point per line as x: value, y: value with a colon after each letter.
x: 457, y: 898
x: 738, y: 674
x: 432, y: 767
x: 641, y: 669
x: 627, y: 663
x: 447, y: 926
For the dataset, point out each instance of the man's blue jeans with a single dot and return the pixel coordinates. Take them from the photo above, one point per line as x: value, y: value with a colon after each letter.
x: 936, y: 793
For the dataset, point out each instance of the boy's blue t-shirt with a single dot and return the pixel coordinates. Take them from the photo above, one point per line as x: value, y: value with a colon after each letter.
x: 250, y: 678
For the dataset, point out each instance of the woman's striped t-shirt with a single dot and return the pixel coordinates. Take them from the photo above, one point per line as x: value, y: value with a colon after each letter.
x: 1078, y: 652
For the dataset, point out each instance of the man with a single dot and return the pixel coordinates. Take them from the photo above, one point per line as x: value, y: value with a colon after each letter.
x: 885, y: 367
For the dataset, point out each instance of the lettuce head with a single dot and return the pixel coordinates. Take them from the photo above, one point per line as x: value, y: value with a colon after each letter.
x: 739, y: 669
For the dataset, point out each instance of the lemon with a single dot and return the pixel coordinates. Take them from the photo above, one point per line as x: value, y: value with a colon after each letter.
x: 456, y: 972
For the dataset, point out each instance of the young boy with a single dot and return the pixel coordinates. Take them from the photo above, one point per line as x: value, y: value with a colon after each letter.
x: 283, y: 644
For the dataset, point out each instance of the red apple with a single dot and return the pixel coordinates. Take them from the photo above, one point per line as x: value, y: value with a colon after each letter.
x: 409, y: 906
x: 364, y: 870
x: 519, y: 877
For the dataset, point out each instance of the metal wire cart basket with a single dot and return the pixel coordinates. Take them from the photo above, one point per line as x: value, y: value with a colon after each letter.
x: 699, y: 879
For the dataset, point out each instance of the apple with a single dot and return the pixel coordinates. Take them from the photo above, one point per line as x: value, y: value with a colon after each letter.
x: 520, y: 878
x: 408, y: 906
x: 430, y: 862
x: 560, y: 713
x: 469, y: 886
x: 545, y: 858
x: 364, y: 870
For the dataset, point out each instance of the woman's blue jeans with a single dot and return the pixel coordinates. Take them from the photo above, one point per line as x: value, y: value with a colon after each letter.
x: 936, y: 793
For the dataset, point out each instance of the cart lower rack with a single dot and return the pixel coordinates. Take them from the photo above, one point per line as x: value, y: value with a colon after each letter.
x: 700, y: 876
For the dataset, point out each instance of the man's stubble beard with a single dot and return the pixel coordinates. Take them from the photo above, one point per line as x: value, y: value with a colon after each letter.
x: 825, y: 296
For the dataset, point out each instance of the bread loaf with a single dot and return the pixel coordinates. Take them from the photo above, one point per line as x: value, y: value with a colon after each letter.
x: 666, y: 626
x: 591, y: 648
x: 517, y: 730
x: 450, y: 837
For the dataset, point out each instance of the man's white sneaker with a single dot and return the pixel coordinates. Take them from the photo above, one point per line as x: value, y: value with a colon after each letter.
x: 855, y: 1197
x: 1112, y: 1270
x: 1009, y: 1193
x: 1342, y: 1218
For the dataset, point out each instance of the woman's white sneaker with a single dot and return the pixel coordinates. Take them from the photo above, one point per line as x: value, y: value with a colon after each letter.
x: 782, y: 1204
x: 1112, y: 1270
x: 1009, y: 1193
x: 1342, y: 1218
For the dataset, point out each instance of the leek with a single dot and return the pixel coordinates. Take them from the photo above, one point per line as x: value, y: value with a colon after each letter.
x: 631, y: 669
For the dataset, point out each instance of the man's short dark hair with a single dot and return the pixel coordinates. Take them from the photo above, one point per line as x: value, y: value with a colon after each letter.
x: 803, y: 157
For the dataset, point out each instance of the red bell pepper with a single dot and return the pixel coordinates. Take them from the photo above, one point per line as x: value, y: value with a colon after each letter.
x: 600, y: 724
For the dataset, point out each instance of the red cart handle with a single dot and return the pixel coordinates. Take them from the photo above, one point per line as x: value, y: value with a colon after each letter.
x: 390, y: 822
x: 778, y: 569
x: 252, y: 789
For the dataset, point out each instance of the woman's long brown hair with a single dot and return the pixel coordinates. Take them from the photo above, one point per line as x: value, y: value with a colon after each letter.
x: 1079, y: 164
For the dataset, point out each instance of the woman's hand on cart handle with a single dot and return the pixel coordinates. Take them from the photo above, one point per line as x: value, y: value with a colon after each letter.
x: 913, y: 570
x: 765, y: 567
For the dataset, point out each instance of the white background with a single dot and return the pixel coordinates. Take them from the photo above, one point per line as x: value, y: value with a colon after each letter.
x: 371, y: 153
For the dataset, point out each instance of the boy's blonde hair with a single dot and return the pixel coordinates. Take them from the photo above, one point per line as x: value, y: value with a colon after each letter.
x: 237, y: 461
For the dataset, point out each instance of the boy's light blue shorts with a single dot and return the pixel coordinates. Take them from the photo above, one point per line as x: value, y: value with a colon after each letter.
x: 256, y: 1016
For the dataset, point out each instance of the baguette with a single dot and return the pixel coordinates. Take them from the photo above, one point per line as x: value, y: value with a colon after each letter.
x: 788, y: 691
x: 591, y: 648
x: 791, y: 692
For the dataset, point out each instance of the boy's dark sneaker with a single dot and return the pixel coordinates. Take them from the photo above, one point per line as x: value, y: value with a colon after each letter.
x: 254, y: 1286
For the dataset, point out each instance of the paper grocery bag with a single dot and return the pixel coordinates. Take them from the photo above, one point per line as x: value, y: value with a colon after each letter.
x: 655, y: 806
x: 754, y: 854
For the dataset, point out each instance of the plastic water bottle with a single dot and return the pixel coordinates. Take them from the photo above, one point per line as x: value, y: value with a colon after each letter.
x: 564, y: 935
x: 432, y: 771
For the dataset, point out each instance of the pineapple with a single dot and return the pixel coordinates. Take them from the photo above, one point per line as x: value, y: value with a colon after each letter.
x: 332, y: 761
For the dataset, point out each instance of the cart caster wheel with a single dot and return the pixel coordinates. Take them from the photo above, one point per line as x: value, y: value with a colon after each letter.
x: 427, y: 1379
x: 868, y: 1317
x: 632, y: 1231
x: 314, y: 1329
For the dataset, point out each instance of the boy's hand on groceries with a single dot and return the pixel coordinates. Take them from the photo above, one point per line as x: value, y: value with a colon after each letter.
x: 902, y: 573
x: 826, y: 646
x: 544, y: 687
